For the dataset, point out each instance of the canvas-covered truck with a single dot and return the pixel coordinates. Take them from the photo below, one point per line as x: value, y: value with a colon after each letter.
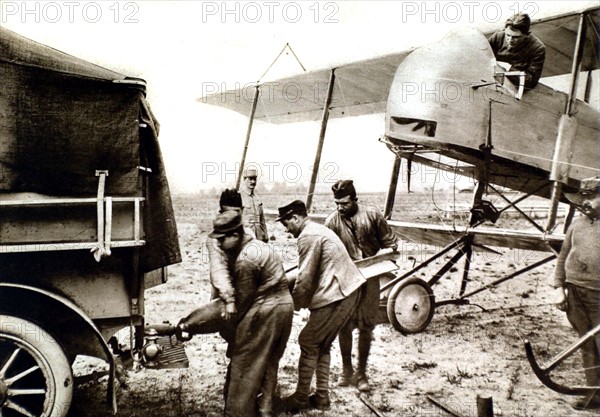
x: 86, y: 220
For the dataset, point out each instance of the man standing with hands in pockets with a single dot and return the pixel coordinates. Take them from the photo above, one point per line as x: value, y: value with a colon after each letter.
x: 577, y: 284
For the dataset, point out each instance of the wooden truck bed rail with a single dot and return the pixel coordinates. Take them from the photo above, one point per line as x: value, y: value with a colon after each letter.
x: 54, y: 224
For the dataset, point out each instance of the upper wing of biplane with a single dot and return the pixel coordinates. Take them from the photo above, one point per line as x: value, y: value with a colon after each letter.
x: 363, y: 87
x: 559, y: 34
x: 360, y: 88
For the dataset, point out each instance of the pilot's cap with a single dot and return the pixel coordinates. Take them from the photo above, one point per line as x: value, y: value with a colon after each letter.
x: 250, y: 172
x: 342, y: 188
x: 590, y: 185
x: 224, y: 223
x: 295, y: 207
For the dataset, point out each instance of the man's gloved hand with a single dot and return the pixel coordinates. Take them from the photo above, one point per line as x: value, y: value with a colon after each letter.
x: 560, y: 298
x: 229, y: 311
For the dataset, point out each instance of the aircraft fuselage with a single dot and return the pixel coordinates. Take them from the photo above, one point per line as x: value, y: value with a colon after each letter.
x: 445, y: 97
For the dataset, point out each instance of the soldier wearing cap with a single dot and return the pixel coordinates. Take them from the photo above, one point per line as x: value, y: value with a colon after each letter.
x: 517, y: 46
x: 263, y: 321
x: 577, y: 283
x: 329, y: 285
x: 364, y: 231
x: 220, y: 278
x: 253, y: 215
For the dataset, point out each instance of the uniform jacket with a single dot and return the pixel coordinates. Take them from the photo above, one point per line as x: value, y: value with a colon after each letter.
x: 579, y: 259
x: 259, y: 276
x: 326, y: 273
x: 253, y: 215
x: 529, y: 56
x: 220, y: 277
x: 264, y: 322
x: 364, y: 234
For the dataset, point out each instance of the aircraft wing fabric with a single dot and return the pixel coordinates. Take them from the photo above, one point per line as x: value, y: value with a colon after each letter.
x: 359, y: 88
x: 441, y: 235
x: 363, y: 87
x: 559, y: 34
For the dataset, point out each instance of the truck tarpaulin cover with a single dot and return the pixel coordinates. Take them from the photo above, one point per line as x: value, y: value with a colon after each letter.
x: 62, y: 118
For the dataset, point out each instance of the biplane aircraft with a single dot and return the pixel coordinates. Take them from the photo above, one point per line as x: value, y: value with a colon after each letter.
x: 452, y: 99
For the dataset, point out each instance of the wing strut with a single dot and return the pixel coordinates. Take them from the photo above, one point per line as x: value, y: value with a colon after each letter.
x: 325, y: 118
x: 391, y: 194
x: 248, y: 131
x: 408, y: 173
x: 566, y: 129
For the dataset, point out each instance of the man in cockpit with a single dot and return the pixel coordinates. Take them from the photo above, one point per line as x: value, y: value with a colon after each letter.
x: 518, y: 47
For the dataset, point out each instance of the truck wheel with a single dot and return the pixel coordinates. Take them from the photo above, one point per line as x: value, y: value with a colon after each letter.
x: 35, y: 375
x: 410, y: 306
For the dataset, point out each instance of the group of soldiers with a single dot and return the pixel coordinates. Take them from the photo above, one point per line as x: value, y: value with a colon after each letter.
x: 259, y: 298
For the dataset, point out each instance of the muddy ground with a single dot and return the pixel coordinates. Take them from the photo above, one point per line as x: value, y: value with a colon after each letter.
x: 466, y: 351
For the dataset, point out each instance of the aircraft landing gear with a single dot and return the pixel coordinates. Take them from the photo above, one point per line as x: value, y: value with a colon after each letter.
x: 410, y: 306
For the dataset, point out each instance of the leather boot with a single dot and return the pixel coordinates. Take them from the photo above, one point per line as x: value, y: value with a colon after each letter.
x: 345, y: 379
x: 364, y: 348
x: 345, y: 340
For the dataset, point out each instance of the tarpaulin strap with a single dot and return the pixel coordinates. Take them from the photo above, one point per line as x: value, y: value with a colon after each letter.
x: 100, y: 250
x: 108, y: 226
x: 136, y: 221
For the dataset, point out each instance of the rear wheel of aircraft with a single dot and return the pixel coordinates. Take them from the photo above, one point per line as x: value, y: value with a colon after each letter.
x: 410, y: 306
x: 35, y: 375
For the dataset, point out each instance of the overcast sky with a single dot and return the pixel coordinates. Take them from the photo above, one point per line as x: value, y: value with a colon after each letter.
x: 181, y: 47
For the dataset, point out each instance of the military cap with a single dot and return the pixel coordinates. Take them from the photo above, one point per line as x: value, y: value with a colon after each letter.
x: 250, y: 172
x: 295, y: 207
x: 230, y: 197
x: 590, y: 185
x: 342, y: 188
x: 225, y: 222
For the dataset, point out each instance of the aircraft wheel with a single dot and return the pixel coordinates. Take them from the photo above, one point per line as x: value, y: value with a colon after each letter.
x: 35, y: 375
x: 410, y: 306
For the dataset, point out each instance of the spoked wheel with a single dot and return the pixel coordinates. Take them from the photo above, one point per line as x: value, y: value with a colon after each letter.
x: 410, y: 306
x: 35, y: 375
